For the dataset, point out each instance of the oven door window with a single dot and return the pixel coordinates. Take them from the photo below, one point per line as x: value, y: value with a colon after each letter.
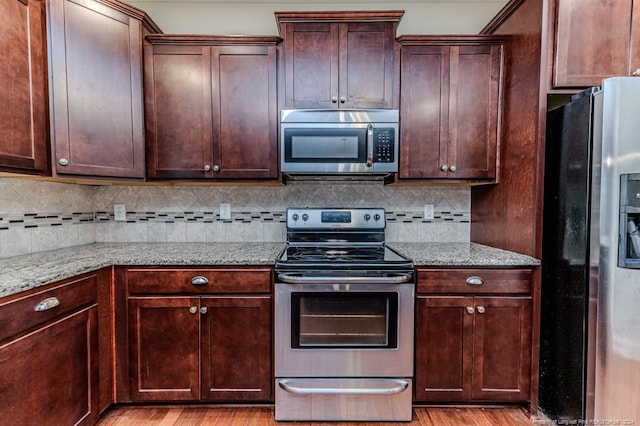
x: 344, y: 320
x: 307, y: 145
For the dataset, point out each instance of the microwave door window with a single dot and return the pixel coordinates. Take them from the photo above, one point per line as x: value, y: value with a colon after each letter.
x: 322, y: 147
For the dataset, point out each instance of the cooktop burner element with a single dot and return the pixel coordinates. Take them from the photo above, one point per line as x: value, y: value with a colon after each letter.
x: 338, y: 239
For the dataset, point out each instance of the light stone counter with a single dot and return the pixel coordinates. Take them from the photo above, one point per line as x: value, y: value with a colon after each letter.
x: 462, y: 255
x: 22, y: 273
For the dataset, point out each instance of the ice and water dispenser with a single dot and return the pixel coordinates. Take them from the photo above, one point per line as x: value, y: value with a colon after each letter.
x: 629, y: 236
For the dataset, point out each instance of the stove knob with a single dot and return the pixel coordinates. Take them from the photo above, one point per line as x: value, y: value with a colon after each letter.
x: 376, y: 217
x: 295, y: 217
x: 305, y: 217
x: 367, y: 217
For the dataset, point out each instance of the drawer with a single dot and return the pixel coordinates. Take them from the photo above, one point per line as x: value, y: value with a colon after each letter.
x: 19, y: 314
x: 476, y: 281
x: 201, y: 281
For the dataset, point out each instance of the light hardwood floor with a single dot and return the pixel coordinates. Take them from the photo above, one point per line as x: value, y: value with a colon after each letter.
x: 263, y: 416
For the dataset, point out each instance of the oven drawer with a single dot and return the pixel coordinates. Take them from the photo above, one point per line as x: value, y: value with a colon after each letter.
x: 197, y: 280
x: 343, y: 399
x: 476, y: 281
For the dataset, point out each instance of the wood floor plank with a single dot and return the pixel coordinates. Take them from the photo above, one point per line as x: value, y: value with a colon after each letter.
x: 263, y: 416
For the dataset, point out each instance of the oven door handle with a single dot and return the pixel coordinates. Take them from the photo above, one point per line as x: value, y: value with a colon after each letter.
x: 399, y: 386
x: 296, y: 278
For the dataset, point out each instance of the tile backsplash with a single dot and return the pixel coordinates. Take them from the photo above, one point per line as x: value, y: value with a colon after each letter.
x: 41, y: 215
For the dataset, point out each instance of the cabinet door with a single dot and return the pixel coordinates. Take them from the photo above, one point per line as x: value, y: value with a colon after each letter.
x: 592, y: 41
x: 443, y: 348
x: 474, y: 104
x: 502, y: 349
x: 424, y: 106
x: 311, y: 65
x: 164, y: 348
x: 96, y: 90
x: 23, y: 115
x: 50, y: 376
x: 245, y: 117
x: 236, y: 349
x: 367, y: 65
x: 178, y: 111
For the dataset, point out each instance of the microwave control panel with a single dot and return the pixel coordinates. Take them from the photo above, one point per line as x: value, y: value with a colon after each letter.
x: 383, y: 145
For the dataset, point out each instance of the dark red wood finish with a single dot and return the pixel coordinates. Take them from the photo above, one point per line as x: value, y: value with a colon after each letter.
x: 223, y: 124
x: 473, y: 348
x: 96, y: 89
x: 594, y: 39
x: 451, y: 102
x: 340, y: 60
x: 23, y: 87
x: 236, y: 348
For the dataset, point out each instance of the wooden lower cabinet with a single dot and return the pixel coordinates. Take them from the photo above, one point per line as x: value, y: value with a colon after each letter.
x: 213, y: 348
x: 473, y: 335
x: 50, y: 376
x: 473, y: 348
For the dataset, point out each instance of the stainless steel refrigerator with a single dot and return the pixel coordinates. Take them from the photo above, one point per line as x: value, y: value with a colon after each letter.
x: 590, y: 313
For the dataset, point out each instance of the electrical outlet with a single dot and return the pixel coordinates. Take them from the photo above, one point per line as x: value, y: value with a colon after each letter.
x: 428, y: 212
x: 225, y: 211
x: 119, y: 213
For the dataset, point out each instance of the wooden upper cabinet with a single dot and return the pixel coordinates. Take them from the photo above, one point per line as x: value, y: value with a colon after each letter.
x: 96, y: 102
x: 23, y: 95
x: 211, y: 107
x: 451, y: 100
x: 595, y: 39
x: 340, y: 60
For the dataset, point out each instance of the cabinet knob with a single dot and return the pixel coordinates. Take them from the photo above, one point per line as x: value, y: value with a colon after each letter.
x: 480, y: 309
x: 63, y: 162
x: 475, y: 280
x: 334, y: 99
x: 343, y: 99
x: 444, y: 168
x: 470, y: 309
x: 636, y: 73
x: 207, y: 168
x: 199, y: 280
x: 47, y: 304
x: 203, y: 310
x: 193, y: 309
x: 216, y: 168
x: 453, y: 168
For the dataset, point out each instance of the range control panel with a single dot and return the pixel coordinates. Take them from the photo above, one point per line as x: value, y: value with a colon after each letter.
x: 330, y: 218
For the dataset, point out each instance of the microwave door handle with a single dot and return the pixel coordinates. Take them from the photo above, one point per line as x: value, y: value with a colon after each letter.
x: 369, y: 145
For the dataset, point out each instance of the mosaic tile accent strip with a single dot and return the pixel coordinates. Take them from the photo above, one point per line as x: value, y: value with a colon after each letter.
x: 43, y: 220
x: 262, y: 216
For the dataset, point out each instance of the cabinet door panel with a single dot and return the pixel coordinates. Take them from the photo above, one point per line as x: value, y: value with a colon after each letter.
x: 502, y: 349
x: 311, y: 72
x: 473, y: 111
x: 96, y: 90
x: 23, y: 114
x: 50, y: 376
x: 367, y: 65
x: 178, y: 114
x: 236, y: 348
x: 443, y: 348
x: 592, y: 41
x: 245, y: 112
x: 164, y: 349
x: 424, y: 106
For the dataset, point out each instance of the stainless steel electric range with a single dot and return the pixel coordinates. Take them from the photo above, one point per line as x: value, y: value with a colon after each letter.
x: 344, y: 308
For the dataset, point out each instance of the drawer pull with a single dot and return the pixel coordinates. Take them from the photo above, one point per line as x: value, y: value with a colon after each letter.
x: 474, y: 280
x: 47, y: 304
x: 199, y: 280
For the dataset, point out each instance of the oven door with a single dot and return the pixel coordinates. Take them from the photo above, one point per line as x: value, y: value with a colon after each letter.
x: 344, y: 330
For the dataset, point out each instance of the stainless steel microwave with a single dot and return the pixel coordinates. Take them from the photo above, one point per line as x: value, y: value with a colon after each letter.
x: 339, y: 142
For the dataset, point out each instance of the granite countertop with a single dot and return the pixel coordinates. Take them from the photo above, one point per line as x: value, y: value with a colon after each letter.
x: 22, y: 273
